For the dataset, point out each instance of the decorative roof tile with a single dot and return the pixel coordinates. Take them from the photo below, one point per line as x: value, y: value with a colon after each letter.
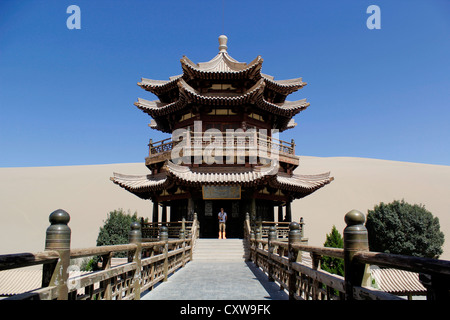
x: 397, y: 281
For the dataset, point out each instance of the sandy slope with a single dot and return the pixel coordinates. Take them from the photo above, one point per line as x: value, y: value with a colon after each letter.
x: 29, y: 195
x: 362, y: 183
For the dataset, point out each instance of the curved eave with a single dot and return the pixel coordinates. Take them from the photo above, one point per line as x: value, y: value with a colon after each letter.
x: 140, y: 185
x: 154, y: 125
x: 291, y: 124
x: 254, y: 95
x: 158, y: 109
x: 185, y: 175
x: 159, y: 87
x: 194, y: 96
x: 219, y: 72
x: 301, y: 185
x: 221, y: 62
x: 284, y: 87
x: 287, y: 108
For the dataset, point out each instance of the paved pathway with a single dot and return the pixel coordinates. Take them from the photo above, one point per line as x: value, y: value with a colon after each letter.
x: 224, y: 275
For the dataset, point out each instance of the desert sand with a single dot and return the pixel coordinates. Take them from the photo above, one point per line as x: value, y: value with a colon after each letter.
x: 29, y: 195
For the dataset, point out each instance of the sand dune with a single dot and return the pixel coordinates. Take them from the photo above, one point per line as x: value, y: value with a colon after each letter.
x: 29, y: 195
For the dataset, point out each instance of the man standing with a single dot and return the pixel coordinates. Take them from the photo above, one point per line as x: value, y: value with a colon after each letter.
x: 222, y: 220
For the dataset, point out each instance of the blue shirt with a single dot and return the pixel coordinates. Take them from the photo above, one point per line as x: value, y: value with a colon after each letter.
x: 222, y: 216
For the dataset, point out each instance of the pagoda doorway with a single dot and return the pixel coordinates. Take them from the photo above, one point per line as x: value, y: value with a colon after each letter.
x: 209, y: 222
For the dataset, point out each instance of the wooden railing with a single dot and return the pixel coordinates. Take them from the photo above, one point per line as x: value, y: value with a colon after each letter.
x: 148, y: 264
x: 281, y: 261
x: 237, y: 141
x: 151, y: 230
x: 281, y: 228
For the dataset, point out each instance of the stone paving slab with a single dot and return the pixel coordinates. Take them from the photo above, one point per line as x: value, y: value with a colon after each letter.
x: 204, y: 280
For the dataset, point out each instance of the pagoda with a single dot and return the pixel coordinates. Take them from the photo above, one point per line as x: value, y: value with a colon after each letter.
x: 224, y: 117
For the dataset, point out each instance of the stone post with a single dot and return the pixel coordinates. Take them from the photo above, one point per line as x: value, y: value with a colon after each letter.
x: 258, y: 233
x: 272, y: 237
x: 198, y: 226
x: 258, y: 236
x: 252, y: 244
x: 182, y: 236
x: 355, y: 239
x: 58, y: 239
x: 259, y: 227
x: 294, y: 238
x: 135, y: 237
x: 247, y: 238
x: 164, y: 236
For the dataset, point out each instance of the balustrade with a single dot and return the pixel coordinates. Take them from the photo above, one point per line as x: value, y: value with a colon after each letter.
x: 235, y: 141
x: 281, y: 261
x: 148, y: 263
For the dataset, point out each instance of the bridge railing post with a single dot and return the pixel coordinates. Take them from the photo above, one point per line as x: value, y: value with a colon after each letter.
x: 355, y: 239
x: 58, y: 239
x: 272, y: 237
x: 164, y: 236
x: 182, y: 236
x: 259, y: 228
x: 294, y: 238
x: 194, y: 235
x: 258, y: 236
x: 247, y: 237
x: 252, y: 244
x: 135, y: 237
x: 106, y: 284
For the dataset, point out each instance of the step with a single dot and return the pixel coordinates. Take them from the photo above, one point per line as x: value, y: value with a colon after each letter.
x: 219, y: 250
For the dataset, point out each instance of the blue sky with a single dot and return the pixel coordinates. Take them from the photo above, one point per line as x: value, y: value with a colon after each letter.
x: 66, y: 96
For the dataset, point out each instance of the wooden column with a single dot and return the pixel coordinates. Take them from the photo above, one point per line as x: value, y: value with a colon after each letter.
x: 164, y: 213
x: 288, y: 211
x: 155, y: 211
x: 280, y: 213
x: 253, y: 209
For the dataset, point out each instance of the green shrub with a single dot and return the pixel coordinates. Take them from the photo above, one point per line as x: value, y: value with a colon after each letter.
x: 402, y: 228
x: 114, y: 231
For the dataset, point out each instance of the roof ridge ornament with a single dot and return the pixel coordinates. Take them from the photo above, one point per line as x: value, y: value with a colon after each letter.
x: 223, y: 43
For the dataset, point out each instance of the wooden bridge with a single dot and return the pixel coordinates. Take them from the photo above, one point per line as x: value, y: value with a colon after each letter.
x: 259, y: 267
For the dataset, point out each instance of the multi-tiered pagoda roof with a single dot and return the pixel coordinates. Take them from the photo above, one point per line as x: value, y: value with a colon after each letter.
x: 222, y: 82
x: 259, y: 90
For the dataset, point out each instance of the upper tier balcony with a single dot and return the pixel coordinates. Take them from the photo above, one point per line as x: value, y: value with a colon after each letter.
x: 235, y: 148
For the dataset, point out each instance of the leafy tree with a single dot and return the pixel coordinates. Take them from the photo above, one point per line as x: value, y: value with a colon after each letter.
x: 333, y: 265
x: 402, y: 228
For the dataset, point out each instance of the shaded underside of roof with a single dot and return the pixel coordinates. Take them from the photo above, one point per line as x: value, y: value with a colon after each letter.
x: 254, y: 95
x: 141, y: 185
